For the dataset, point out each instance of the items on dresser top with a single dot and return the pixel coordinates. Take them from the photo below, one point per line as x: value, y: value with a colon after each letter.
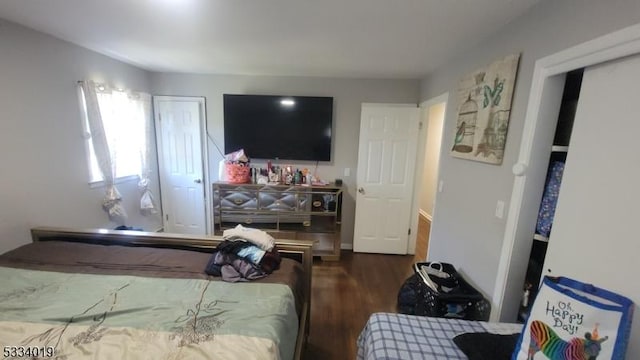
x: 236, y: 168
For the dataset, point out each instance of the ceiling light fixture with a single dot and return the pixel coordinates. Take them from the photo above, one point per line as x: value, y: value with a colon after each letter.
x: 287, y: 102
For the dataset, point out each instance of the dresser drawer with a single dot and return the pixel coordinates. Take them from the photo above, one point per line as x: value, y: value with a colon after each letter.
x: 284, y: 200
x: 238, y: 199
x: 231, y: 218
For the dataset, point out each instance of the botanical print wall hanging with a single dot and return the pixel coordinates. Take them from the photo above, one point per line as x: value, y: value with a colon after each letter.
x: 484, y: 105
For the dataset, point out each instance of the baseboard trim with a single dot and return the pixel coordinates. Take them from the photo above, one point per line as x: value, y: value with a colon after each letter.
x: 346, y: 246
x: 425, y: 215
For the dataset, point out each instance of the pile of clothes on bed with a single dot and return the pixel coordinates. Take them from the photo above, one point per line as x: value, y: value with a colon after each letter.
x: 245, y: 254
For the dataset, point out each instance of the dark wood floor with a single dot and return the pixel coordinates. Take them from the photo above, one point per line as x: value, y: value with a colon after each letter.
x: 345, y: 294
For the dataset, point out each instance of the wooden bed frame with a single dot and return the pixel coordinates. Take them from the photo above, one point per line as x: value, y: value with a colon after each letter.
x: 299, y: 250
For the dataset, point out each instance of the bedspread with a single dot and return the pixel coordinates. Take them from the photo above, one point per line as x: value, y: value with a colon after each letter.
x: 93, y: 316
x: 406, y: 337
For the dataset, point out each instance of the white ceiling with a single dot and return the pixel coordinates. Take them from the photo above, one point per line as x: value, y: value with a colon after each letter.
x: 331, y: 38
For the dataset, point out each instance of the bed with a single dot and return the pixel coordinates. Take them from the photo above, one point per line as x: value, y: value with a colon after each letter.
x: 397, y: 336
x: 129, y: 295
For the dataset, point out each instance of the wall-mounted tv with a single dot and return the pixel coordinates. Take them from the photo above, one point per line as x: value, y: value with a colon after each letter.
x: 282, y: 127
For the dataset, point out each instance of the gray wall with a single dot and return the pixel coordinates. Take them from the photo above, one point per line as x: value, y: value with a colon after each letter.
x: 465, y: 230
x: 348, y: 94
x: 44, y: 168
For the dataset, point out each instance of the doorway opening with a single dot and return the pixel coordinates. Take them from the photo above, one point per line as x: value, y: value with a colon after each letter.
x: 426, y: 183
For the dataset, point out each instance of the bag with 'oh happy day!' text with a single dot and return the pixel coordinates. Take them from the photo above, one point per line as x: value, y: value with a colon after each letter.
x: 572, y: 320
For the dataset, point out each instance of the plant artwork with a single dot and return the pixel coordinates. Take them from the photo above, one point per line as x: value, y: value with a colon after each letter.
x: 484, y: 106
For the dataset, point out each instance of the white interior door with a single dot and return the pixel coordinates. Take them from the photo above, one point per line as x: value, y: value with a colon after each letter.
x: 179, y: 132
x: 386, y: 161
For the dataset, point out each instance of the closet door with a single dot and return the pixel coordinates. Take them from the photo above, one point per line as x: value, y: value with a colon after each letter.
x: 595, y: 231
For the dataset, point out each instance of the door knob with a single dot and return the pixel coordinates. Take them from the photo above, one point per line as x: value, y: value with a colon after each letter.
x: 197, y: 181
x: 361, y: 191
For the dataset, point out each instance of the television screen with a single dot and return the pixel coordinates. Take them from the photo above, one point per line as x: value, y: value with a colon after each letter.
x: 283, y: 127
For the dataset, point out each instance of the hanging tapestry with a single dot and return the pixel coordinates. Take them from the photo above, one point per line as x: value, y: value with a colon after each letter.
x: 484, y: 105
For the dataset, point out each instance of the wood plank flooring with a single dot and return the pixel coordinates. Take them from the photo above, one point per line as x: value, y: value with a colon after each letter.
x: 345, y: 294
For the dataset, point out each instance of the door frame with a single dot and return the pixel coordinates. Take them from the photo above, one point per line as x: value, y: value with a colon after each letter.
x: 202, y: 102
x: 419, y: 166
x: 518, y: 235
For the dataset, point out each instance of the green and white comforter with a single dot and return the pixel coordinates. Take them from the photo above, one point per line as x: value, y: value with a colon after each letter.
x: 92, y: 316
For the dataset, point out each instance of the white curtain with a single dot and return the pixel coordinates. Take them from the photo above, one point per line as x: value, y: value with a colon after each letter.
x: 147, y: 201
x: 112, y: 201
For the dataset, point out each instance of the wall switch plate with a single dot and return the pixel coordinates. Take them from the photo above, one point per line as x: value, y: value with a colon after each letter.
x: 347, y: 171
x: 500, y: 209
x: 440, y: 186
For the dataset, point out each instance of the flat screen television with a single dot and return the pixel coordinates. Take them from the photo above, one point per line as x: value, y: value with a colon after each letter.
x: 282, y: 127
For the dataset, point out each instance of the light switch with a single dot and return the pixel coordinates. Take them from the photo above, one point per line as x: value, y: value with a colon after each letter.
x: 440, y: 186
x: 347, y: 172
x: 500, y: 209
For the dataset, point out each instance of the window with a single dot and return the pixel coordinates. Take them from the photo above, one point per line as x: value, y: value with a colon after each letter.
x: 124, y: 118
